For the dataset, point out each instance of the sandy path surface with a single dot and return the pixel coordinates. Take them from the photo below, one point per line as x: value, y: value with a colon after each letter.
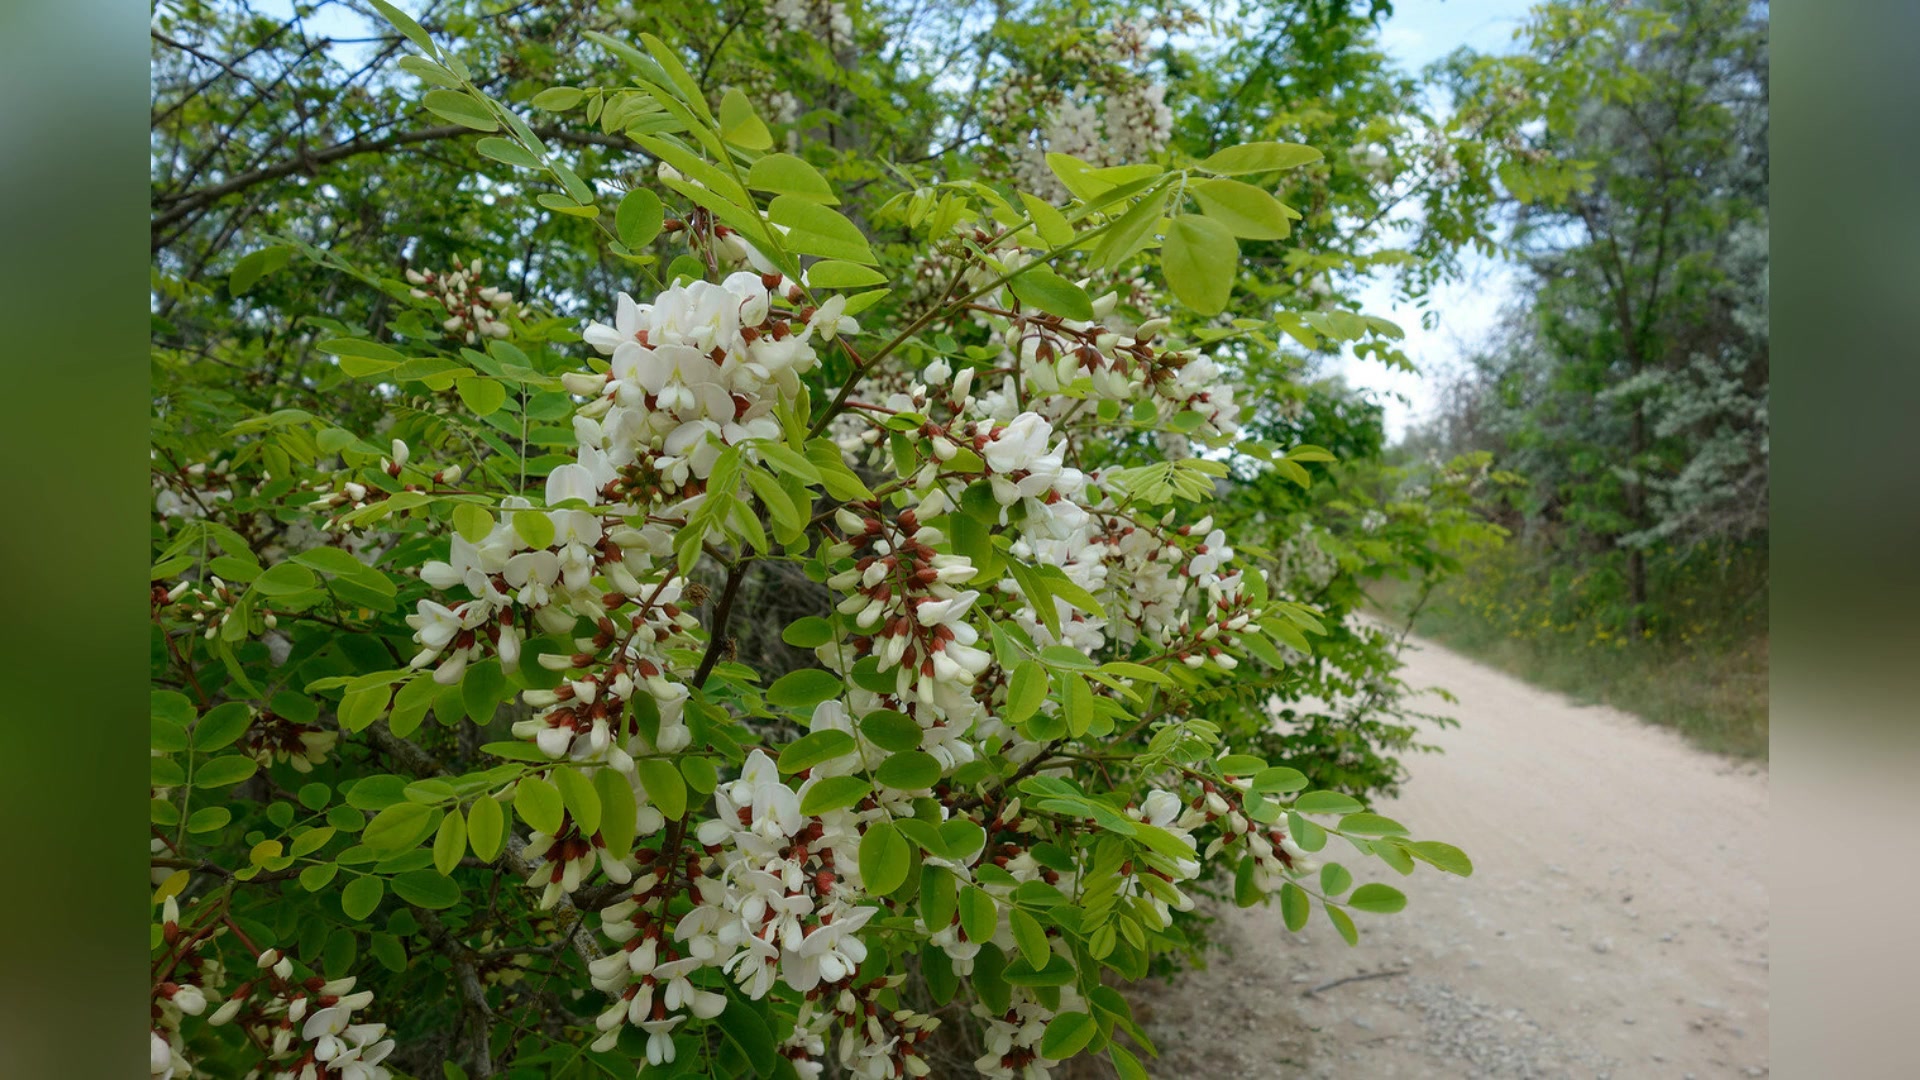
x: 1615, y: 925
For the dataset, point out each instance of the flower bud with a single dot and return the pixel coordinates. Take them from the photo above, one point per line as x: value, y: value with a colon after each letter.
x: 584, y: 383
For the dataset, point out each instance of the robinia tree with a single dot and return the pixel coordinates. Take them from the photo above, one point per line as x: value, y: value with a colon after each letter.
x: 991, y: 776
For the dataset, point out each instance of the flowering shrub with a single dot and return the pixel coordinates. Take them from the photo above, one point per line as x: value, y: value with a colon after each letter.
x: 990, y: 783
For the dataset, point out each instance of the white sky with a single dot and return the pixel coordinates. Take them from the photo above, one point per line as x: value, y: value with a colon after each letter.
x: 1418, y: 33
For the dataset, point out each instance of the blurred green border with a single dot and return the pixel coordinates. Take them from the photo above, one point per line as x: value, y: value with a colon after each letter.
x: 1846, y: 518
x: 73, y: 111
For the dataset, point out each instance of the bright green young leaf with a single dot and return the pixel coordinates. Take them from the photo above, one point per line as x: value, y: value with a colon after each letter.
x: 473, y: 523
x: 580, y: 797
x: 1326, y: 802
x: 1364, y: 824
x: 1259, y: 157
x: 507, y: 152
x: 836, y: 274
x: 221, y: 726
x: 665, y: 787
x: 818, y: 230
x: 558, y: 99
x: 483, y: 396
x: 619, y: 810
x: 1031, y: 937
x: 784, y: 174
x: 539, y: 804
x: 224, y: 771
x: 1294, y: 906
x: 739, y: 125
x: 808, y: 632
x: 534, y: 527
x: 1039, y: 287
x: 1344, y: 924
x: 1047, y: 221
x: 639, y: 218
x: 1445, y: 856
x: 1248, y: 212
x: 450, y: 843
x: 1334, y: 879
x: 1200, y: 259
x: 979, y: 915
x: 1131, y: 231
x: 462, y: 108
x: 487, y: 828
x: 284, y: 579
x: 1026, y: 692
x: 398, y: 827
x: 892, y: 731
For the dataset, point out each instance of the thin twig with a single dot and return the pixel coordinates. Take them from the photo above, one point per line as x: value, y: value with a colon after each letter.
x: 1356, y: 978
x: 722, y: 612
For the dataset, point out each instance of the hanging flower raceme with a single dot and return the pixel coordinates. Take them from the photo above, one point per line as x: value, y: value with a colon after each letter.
x: 475, y: 312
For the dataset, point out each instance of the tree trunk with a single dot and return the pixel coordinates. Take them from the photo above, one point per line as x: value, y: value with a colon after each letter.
x: 1637, y: 516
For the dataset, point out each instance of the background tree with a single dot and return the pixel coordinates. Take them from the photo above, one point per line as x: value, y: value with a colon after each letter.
x: 1637, y: 372
x: 1628, y: 382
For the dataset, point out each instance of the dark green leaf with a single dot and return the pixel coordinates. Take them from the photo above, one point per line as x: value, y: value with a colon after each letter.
x: 804, y: 688
x: 427, y: 889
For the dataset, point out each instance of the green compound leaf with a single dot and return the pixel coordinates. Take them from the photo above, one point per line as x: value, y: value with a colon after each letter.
x: 886, y: 857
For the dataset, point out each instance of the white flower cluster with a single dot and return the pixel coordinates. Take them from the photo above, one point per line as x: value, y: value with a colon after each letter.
x: 192, y: 980
x: 823, y: 20
x: 778, y: 896
x: 328, y: 1042
x: 697, y: 370
x: 191, y: 492
x: 475, y: 312
x: 1116, y: 114
x: 306, y: 1026
x: 1013, y: 1037
x: 1276, y: 856
x: 1147, y: 572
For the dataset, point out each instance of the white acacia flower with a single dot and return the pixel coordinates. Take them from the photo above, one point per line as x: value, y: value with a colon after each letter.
x: 830, y: 953
x: 660, y: 1049
x: 831, y: 320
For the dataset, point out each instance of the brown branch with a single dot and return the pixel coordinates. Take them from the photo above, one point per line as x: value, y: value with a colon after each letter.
x: 474, y: 1050
x: 722, y: 612
x: 309, y: 161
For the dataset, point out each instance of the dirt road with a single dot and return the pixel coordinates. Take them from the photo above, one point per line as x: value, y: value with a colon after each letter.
x: 1615, y: 925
